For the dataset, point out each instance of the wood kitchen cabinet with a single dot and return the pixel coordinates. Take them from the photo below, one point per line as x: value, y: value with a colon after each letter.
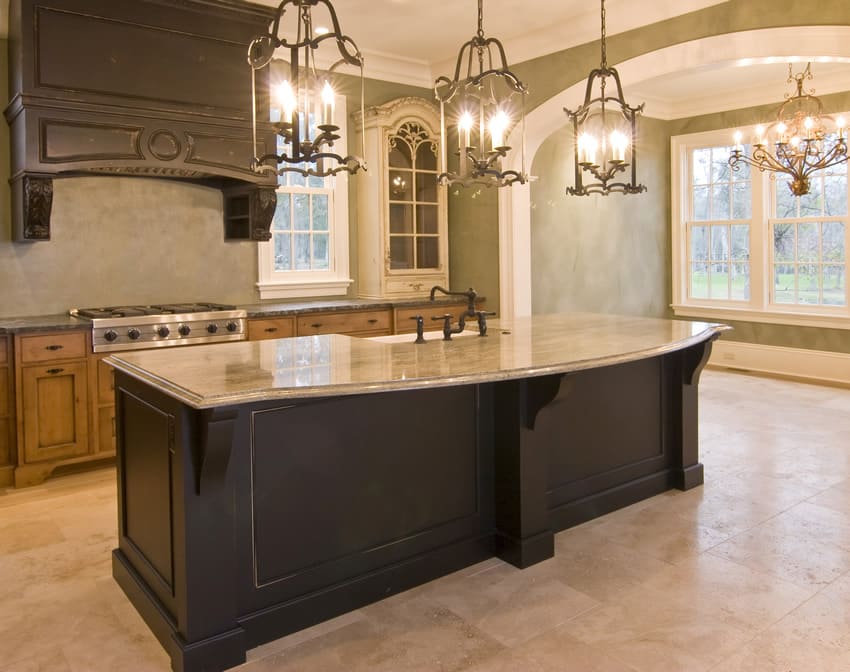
x: 105, y: 406
x: 403, y: 232
x: 52, y: 403
x: 275, y: 327
x: 7, y: 454
x: 351, y: 323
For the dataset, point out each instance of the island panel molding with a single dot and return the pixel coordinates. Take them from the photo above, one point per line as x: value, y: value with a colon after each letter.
x: 304, y: 477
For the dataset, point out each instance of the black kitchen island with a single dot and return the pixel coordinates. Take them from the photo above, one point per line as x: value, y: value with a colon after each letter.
x: 266, y: 486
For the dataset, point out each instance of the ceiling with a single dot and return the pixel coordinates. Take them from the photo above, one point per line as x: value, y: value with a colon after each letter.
x: 413, y: 42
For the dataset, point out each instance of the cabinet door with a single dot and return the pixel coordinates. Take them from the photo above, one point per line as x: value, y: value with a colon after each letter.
x: 54, y: 406
x: 5, y: 437
x: 105, y: 383
x: 106, y: 429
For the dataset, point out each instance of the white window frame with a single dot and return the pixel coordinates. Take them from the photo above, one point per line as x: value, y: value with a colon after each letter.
x: 334, y: 281
x: 759, y: 307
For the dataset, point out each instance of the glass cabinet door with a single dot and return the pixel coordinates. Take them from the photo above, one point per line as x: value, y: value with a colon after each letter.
x: 414, y: 239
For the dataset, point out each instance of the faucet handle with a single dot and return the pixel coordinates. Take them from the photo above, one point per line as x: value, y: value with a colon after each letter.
x: 447, y: 325
x: 420, y: 328
x: 482, y: 316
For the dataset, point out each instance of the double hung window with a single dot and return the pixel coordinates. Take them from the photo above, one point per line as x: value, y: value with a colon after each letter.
x: 744, y: 247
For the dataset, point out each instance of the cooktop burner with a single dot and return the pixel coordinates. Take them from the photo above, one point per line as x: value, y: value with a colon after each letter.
x: 162, y: 309
x: 162, y: 325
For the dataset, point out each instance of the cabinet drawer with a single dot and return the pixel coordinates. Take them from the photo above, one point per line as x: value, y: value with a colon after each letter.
x: 4, y: 350
x: 405, y: 325
x: 359, y: 322
x: 47, y: 347
x: 278, y: 327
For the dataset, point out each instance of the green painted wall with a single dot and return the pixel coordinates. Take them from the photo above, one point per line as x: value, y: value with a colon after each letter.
x: 601, y: 253
x: 613, y: 253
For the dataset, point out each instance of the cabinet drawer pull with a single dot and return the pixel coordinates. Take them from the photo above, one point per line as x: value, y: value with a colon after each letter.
x: 316, y: 325
x: 270, y: 330
x: 54, y: 371
x: 53, y: 347
x: 373, y: 321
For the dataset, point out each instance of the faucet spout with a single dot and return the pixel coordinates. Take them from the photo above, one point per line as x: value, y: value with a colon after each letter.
x: 470, y: 295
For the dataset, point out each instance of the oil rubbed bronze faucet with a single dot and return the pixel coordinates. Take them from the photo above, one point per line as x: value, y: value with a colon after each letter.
x: 470, y: 295
x: 480, y: 315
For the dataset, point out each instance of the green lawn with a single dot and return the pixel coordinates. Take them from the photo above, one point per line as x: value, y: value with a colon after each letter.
x: 783, y: 293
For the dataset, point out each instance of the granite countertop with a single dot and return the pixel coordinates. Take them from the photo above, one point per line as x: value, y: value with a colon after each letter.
x: 12, y: 325
x: 283, y: 309
x: 313, y: 366
x: 61, y: 321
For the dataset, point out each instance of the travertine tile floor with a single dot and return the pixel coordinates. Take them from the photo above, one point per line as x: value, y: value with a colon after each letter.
x: 749, y: 573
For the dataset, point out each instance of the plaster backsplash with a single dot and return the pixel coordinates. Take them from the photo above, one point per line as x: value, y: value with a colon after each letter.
x: 127, y: 240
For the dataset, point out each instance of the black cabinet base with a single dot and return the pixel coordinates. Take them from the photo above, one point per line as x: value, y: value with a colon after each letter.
x: 229, y: 648
x: 239, y: 525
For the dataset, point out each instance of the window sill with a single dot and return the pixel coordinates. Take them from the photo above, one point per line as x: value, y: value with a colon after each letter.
x: 300, y: 289
x: 796, y: 319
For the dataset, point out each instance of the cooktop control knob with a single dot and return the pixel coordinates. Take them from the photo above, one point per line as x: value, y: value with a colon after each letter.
x: 231, y: 326
x: 111, y: 335
x: 163, y: 331
x: 184, y: 329
x: 133, y: 333
x: 212, y: 328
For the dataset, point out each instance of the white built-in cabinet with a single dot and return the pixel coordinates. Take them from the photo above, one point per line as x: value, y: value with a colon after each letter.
x: 402, y: 232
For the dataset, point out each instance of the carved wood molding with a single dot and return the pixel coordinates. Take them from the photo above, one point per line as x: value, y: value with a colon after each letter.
x: 37, y: 204
x: 263, y: 202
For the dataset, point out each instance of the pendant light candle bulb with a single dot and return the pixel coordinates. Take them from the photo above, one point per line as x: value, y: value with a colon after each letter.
x: 464, y: 126
x: 328, y: 103
x: 587, y: 146
x: 759, y: 135
x: 619, y: 142
x: 808, y: 124
x: 287, y: 101
x: 738, y: 137
x: 840, y: 124
x: 498, y: 125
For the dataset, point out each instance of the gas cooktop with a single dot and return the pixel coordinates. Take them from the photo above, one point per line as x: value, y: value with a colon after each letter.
x: 162, y: 325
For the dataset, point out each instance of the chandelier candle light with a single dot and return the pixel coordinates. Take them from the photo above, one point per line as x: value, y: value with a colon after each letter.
x: 604, y: 134
x: 802, y: 141
x: 486, y: 100
x: 303, y: 106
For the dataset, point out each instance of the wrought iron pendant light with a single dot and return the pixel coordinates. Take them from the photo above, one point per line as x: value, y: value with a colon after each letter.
x: 484, y: 100
x: 604, y: 134
x: 803, y: 143
x: 303, y: 106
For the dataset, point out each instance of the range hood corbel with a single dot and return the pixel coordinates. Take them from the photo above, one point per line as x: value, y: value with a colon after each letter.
x: 148, y: 88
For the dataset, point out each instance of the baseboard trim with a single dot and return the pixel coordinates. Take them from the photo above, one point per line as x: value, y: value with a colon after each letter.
x: 811, y: 365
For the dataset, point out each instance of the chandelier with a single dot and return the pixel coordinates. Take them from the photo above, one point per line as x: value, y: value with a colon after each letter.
x: 604, y: 134
x: 802, y: 142
x: 485, y: 100
x: 302, y: 106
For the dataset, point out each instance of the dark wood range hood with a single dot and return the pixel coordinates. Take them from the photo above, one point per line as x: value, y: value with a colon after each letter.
x: 154, y: 88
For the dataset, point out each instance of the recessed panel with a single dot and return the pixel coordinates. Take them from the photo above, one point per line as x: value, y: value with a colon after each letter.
x: 351, y: 476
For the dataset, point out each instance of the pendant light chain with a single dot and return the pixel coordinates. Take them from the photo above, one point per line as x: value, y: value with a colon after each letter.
x: 604, y: 54
x: 481, y: 19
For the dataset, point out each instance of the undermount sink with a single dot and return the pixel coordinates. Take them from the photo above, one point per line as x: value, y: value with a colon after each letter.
x: 429, y: 336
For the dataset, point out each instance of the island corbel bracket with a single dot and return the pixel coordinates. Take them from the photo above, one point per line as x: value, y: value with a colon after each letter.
x: 693, y: 361
x: 212, y: 451
x: 541, y: 393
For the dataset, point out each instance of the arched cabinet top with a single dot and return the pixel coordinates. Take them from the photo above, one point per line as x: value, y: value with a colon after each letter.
x: 394, y: 113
